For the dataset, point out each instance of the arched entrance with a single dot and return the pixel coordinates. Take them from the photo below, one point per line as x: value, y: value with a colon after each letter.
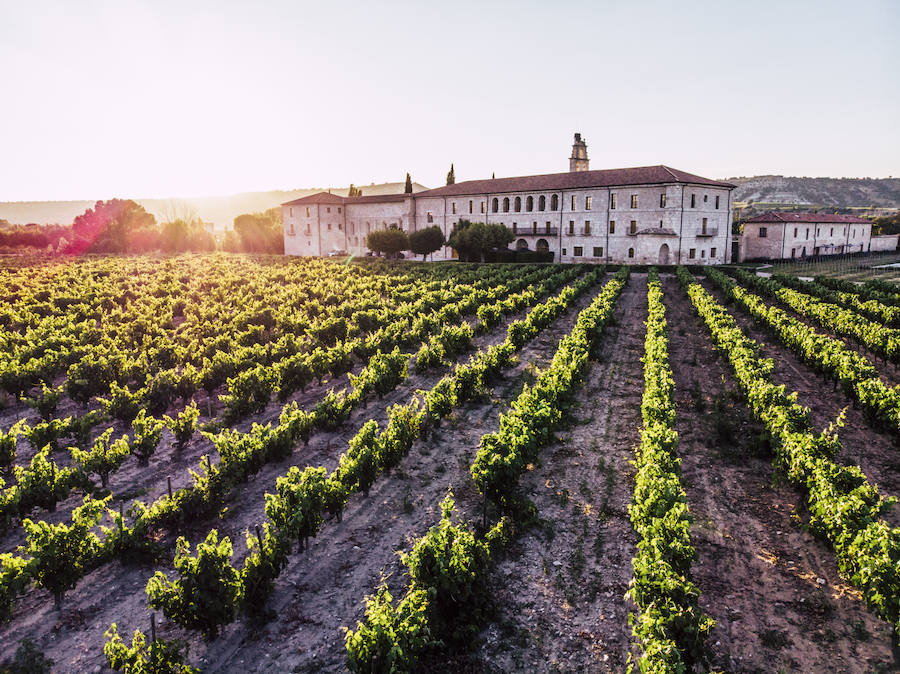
x: 664, y: 254
x: 521, y: 244
x: 542, y: 246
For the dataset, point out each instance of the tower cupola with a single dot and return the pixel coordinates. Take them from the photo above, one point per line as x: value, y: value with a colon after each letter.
x: 579, y: 160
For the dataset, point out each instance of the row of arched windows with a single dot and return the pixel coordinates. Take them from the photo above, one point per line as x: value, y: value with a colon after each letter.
x: 529, y: 204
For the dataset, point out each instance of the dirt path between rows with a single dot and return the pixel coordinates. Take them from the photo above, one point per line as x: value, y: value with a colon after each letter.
x: 773, y: 589
x: 320, y: 591
x: 560, y: 590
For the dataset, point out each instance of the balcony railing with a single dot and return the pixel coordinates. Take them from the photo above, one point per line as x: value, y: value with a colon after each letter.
x: 541, y: 231
x: 709, y: 231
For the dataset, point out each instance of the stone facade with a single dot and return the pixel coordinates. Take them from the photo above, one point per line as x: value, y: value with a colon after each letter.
x: 646, y: 215
x: 784, y: 236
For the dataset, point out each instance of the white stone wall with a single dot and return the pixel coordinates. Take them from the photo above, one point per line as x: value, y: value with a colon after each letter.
x: 884, y: 242
x: 796, y: 240
x: 618, y: 246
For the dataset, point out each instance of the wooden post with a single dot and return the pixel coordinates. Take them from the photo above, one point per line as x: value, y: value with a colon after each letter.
x: 169, y: 482
x: 152, y: 635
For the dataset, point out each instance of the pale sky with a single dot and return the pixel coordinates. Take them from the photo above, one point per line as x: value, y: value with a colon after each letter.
x: 153, y: 98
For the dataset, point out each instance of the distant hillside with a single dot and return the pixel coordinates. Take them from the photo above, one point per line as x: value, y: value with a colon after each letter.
x: 878, y: 193
x: 221, y: 211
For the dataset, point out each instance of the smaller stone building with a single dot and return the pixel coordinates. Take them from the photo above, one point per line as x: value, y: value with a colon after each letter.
x: 785, y: 236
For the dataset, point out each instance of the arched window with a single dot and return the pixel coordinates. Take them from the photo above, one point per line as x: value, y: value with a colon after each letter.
x: 521, y: 244
x: 542, y: 245
x: 631, y: 252
x: 518, y: 204
x: 529, y: 204
x: 542, y: 203
x: 495, y: 205
x: 506, y: 204
x: 554, y: 202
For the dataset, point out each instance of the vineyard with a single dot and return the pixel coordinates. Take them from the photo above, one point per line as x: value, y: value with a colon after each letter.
x: 221, y: 463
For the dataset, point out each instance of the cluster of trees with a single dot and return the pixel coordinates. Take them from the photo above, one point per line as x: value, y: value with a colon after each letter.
x: 473, y: 239
x: 32, y: 235
x: 256, y: 233
x: 393, y: 240
x: 889, y: 224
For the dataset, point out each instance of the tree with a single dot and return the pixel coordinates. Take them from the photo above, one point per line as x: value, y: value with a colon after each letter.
x: 451, y: 176
x: 472, y: 239
x: 408, y: 188
x: 426, y: 241
x: 354, y: 191
x: 388, y: 241
x: 260, y: 232
x: 114, y: 226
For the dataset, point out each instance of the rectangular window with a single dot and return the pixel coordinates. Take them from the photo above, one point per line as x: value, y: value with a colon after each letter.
x: 329, y: 226
x: 818, y: 231
x: 454, y: 208
x: 470, y: 205
x: 515, y: 228
x: 328, y: 209
x: 571, y: 227
x: 341, y: 226
x: 703, y: 225
x: 578, y: 251
x: 612, y: 201
x: 703, y: 253
x: 482, y: 207
x: 547, y: 227
x: 795, y: 232
x: 534, y: 227
x: 717, y: 201
x: 291, y: 212
x: 807, y: 232
x: 598, y: 251
x: 633, y: 228
x: 307, y: 211
x: 339, y: 209
x: 587, y: 203
x: 574, y: 202
x: 705, y: 198
x: 612, y: 226
x: 831, y: 233
x: 587, y: 227
x: 793, y: 253
x: 662, y: 200
x: 565, y: 252
x: 763, y: 231
x: 634, y: 200
x: 712, y: 252
x: 429, y: 217
x: 693, y: 201
x: 692, y: 253
x: 291, y: 230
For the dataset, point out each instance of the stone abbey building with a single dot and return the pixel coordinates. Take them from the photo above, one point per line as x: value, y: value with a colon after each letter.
x: 644, y: 215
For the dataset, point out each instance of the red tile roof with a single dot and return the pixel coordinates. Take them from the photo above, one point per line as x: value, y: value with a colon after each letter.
x: 643, y: 175
x: 779, y: 217
x: 375, y: 198
x: 318, y: 198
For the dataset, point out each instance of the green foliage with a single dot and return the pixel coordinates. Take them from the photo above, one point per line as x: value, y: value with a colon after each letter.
x: 267, y: 556
x: 104, y: 457
x: 388, y: 241
x: 29, y: 659
x: 8, y: 444
x: 258, y: 233
x: 15, y: 577
x: 60, y: 552
x: 472, y: 239
x: 207, y: 592
x: 184, y: 425
x: 46, y: 403
x: 425, y: 241
x: 157, y: 657
x: 147, y: 434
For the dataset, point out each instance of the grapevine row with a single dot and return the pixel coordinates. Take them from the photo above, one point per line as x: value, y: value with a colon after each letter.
x: 873, y: 309
x: 844, y: 508
x: 857, y: 376
x: 670, y: 625
x: 444, y: 601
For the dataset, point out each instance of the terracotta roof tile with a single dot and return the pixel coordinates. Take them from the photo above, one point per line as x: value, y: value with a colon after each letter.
x: 318, y: 198
x: 779, y: 217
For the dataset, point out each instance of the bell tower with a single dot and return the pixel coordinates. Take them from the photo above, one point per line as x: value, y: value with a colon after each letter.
x: 579, y: 160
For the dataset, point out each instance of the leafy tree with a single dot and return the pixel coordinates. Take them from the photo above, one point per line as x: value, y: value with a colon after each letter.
x: 354, y: 191
x: 147, y: 434
x: 388, y: 241
x: 207, y: 592
x: 114, y: 226
x: 184, y: 425
x: 451, y: 176
x: 407, y: 189
x: 60, y: 551
x: 472, y: 239
x: 260, y: 232
x: 425, y: 241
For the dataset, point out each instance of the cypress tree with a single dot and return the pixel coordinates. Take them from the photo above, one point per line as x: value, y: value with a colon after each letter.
x: 408, y: 188
x: 451, y: 176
